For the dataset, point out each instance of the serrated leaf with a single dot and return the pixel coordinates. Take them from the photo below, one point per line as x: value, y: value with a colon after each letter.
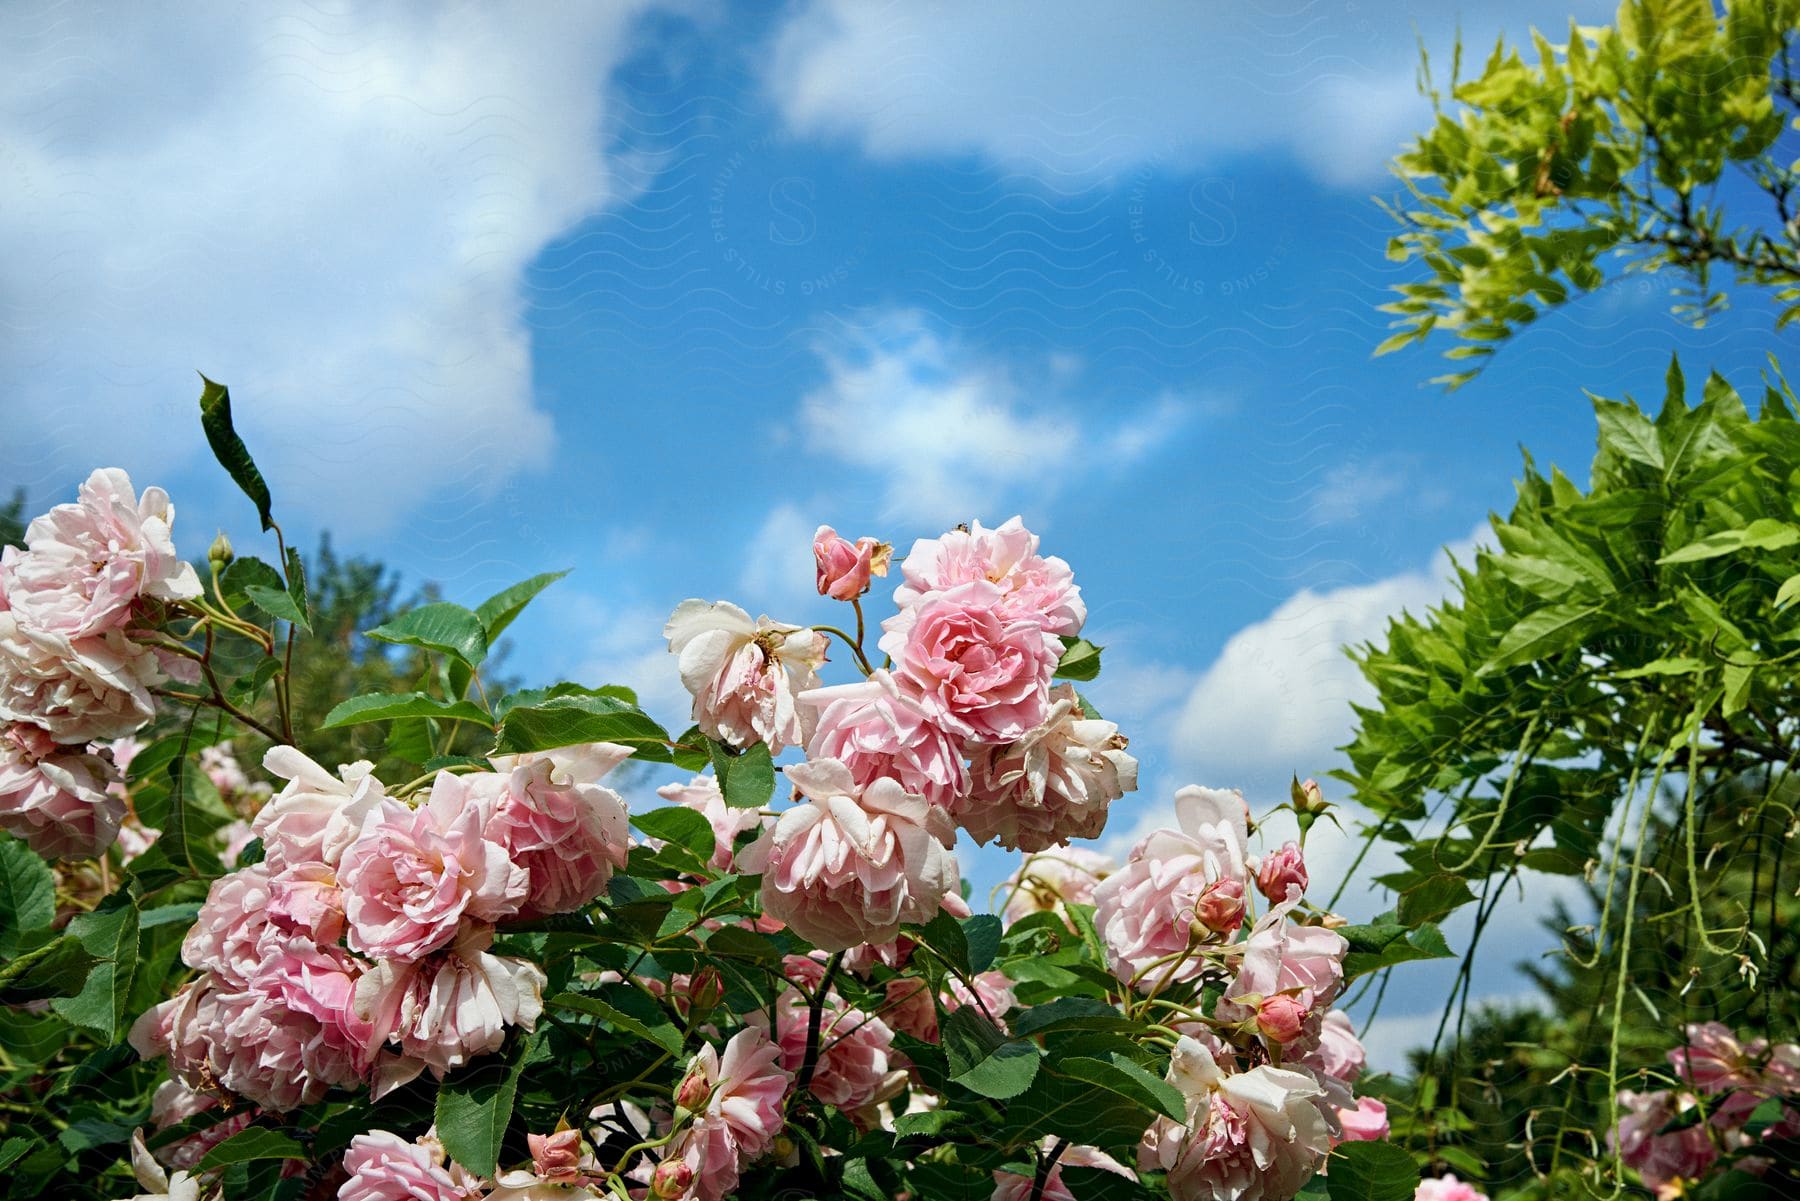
x: 567, y: 720
x: 110, y: 935
x: 1117, y: 1074
x: 383, y: 706
x: 1436, y: 896
x: 229, y: 449
x: 627, y: 1009
x: 252, y: 1143
x: 984, y: 1060
x: 440, y: 626
x: 1539, y: 635
x: 1387, y: 943
x: 498, y: 611
x: 1067, y: 1013
x: 680, y: 825
x: 1765, y: 533
x: 474, y: 1108
x: 27, y: 895
x: 1624, y: 429
x: 746, y: 780
x: 1080, y: 660
x: 1371, y: 1171
x: 277, y: 603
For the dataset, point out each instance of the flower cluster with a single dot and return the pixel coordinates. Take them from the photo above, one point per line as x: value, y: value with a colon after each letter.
x: 357, y: 950
x: 1673, y: 1137
x: 79, y: 658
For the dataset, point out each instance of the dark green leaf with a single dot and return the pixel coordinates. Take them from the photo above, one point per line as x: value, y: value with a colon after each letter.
x: 1372, y: 1171
x: 1117, y: 1074
x: 628, y: 1009
x: 381, y: 706
x: 680, y: 825
x: 1080, y: 660
x: 1431, y: 900
x: 981, y: 935
x: 746, y: 780
x: 229, y: 449
x: 278, y: 603
x: 984, y: 1060
x: 110, y: 935
x: 497, y: 611
x: 27, y: 895
x: 251, y: 1143
x: 474, y: 1108
x: 441, y: 626
x: 1067, y: 1013
x: 567, y: 720
x: 56, y: 968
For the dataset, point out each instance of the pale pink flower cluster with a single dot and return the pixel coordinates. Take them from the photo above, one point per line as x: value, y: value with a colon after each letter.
x: 745, y: 675
x: 855, y: 1065
x: 1051, y: 881
x: 385, y: 1167
x: 734, y: 1102
x: 74, y: 668
x: 358, y: 950
x: 1731, y: 1076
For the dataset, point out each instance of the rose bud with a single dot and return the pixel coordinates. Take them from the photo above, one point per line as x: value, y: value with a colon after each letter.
x: 556, y: 1157
x: 693, y: 1091
x: 844, y: 567
x: 1282, y: 1017
x: 671, y: 1179
x: 1220, y: 909
x: 706, y: 988
x: 1280, y: 871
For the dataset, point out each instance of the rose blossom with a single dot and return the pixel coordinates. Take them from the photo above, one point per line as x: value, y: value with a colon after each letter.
x: 1366, y: 1123
x: 306, y: 899
x: 978, y: 670
x: 880, y: 731
x: 844, y: 567
x: 316, y: 815
x: 61, y: 801
x: 702, y: 795
x: 852, y: 1064
x: 449, y: 1008
x: 1280, y: 872
x: 80, y: 690
x: 1340, y: 1054
x: 1010, y: 1186
x: 1663, y: 1160
x: 1447, y: 1188
x: 992, y: 995
x: 743, y: 674
x: 175, y: 1102
x: 86, y: 563
x: 561, y: 825
x: 1053, y: 880
x: 1146, y: 912
x: 233, y: 923
x: 413, y: 875
x: 852, y: 864
x: 385, y: 1167
x: 740, y: 1092
x: 1052, y: 785
x: 1250, y: 1136
x: 1281, y: 956
x: 1041, y: 589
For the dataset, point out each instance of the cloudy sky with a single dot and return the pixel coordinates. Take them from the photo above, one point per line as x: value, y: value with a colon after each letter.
x: 651, y: 290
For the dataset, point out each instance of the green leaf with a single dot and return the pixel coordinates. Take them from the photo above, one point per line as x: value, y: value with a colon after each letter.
x: 441, y: 626
x: 296, y: 574
x: 680, y: 825
x: 1117, y: 1074
x: 984, y: 1060
x: 278, y: 603
x: 1080, y: 660
x: 383, y: 706
x: 12, y: 1150
x: 247, y: 570
x: 944, y: 935
x: 110, y: 935
x: 229, y: 449
x: 1765, y: 533
x: 747, y: 780
x: 27, y: 895
x: 1372, y: 1171
x: 252, y: 1143
x: 474, y: 1108
x: 981, y: 935
x: 56, y: 968
x: 1541, y: 634
x: 1386, y: 943
x: 497, y: 611
x: 628, y: 1009
x: 1790, y: 589
x: 1067, y: 1013
x: 1431, y: 900
x: 567, y: 720
x: 1628, y: 432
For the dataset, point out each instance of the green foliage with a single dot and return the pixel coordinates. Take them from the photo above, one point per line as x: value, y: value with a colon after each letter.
x: 1559, y: 159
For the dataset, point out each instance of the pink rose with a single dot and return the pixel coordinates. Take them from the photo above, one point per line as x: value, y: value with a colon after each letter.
x: 306, y: 899
x: 1053, y: 880
x: 87, y: 563
x: 844, y: 567
x: 1283, y: 870
x: 80, y: 690
x: 1009, y: 1186
x: 852, y: 864
x: 1283, y: 957
x: 316, y: 815
x: 880, y: 731
x: 854, y: 1048
x: 1340, y: 1053
x: 228, y: 933
x: 60, y: 801
x: 701, y: 794
x: 561, y: 825
x: 1049, y: 787
x: 557, y: 1157
x: 413, y: 875
x: 445, y: 1010
x: 385, y: 1167
x: 978, y: 671
x: 740, y: 1092
x: 910, y: 1008
x: 1366, y: 1123
x: 1663, y: 1160
x: 1282, y: 1018
x: 743, y: 674
x: 1447, y: 1188
x: 1040, y: 589
x: 1147, y: 912
x: 1249, y: 1136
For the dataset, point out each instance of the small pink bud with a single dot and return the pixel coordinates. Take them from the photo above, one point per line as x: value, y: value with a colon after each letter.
x: 706, y: 988
x: 1220, y: 909
x: 693, y: 1091
x: 1282, y: 1017
x: 844, y: 567
x: 671, y: 1179
x: 556, y: 1157
x: 1280, y: 870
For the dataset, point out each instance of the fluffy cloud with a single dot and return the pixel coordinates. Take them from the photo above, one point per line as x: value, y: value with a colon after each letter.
x: 328, y: 208
x: 954, y: 434
x: 1070, y: 91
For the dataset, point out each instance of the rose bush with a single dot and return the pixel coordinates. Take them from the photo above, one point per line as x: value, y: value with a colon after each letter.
x: 508, y: 976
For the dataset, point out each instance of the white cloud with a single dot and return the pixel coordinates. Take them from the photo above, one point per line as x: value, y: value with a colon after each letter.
x: 328, y: 208
x: 954, y: 434
x: 1069, y: 91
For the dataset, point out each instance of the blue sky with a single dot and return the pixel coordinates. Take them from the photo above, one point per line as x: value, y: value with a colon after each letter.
x: 651, y: 291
